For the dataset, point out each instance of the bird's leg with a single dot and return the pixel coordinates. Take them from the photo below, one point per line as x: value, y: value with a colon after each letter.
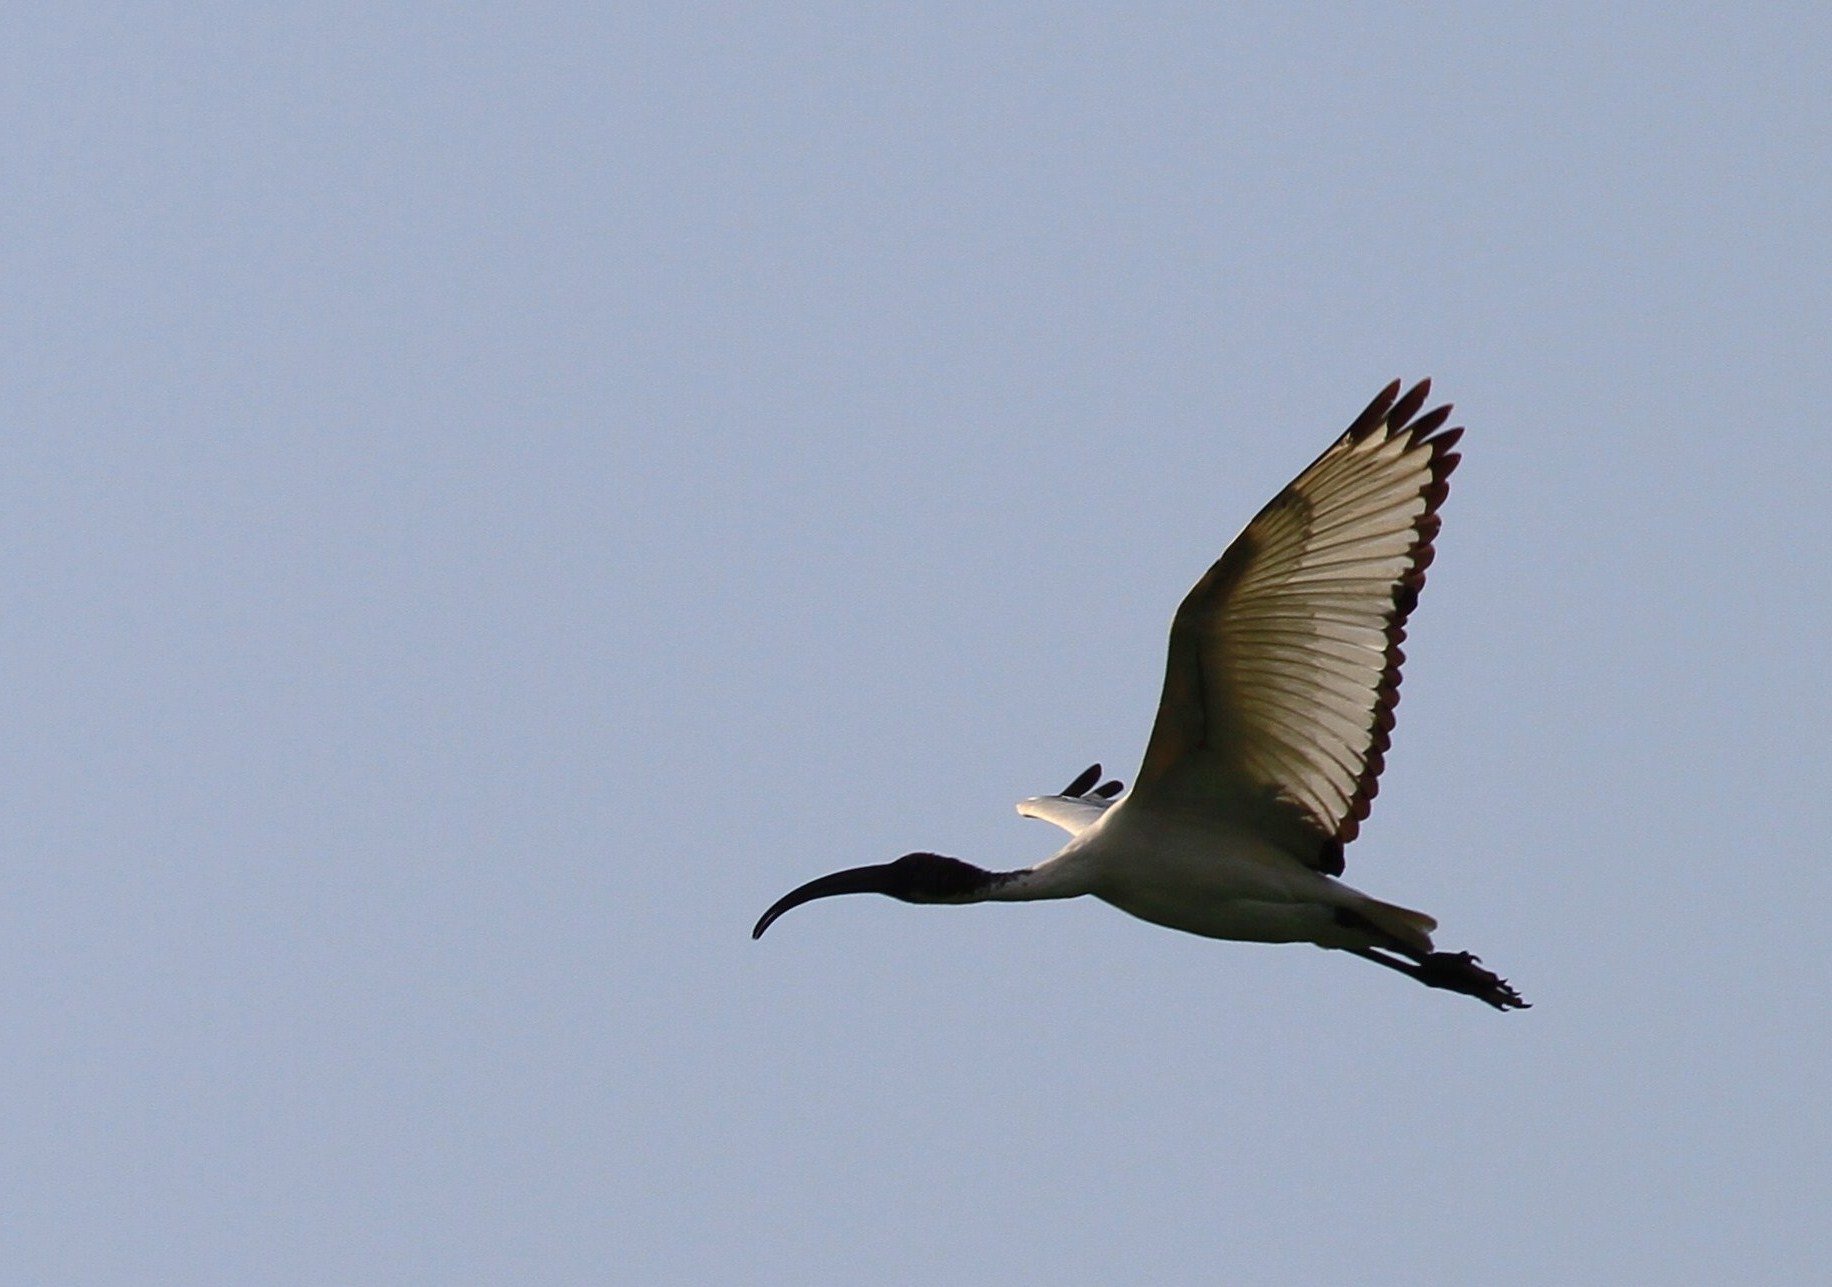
x: 1463, y: 972
x: 1453, y: 971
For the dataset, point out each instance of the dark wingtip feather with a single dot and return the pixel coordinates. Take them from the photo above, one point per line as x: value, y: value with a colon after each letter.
x: 1423, y: 426
x: 1083, y: 780
x: 1375, y: 414
x: 1408, y: 406
x: 1399, y: 418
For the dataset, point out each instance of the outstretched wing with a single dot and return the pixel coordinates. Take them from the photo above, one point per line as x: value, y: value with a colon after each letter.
x: 1077, y: 805
x: 1285, y: 658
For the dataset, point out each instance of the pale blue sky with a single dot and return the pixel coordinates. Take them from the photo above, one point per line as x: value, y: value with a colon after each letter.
x: 495, y: 496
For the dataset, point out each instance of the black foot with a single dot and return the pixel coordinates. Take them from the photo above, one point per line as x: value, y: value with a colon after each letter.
x: 1463, y: 972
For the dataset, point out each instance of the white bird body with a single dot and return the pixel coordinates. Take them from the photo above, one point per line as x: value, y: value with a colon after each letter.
x: 1271, y: 733
x: 1205, y: 874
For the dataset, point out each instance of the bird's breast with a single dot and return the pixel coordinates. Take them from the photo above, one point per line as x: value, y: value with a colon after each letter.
x: 1209, y: 879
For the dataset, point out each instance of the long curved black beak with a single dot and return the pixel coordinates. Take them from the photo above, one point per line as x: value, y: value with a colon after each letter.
x: 855, y: 880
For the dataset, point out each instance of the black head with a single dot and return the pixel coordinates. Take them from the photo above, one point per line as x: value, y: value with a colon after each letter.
x: 915, y: 878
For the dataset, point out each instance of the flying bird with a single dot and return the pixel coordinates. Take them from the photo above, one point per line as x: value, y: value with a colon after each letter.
x: 1271, y: 733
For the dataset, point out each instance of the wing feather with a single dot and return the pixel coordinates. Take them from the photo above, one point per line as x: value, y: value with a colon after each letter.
x: 1077, y: 806
x: 1285, y: 658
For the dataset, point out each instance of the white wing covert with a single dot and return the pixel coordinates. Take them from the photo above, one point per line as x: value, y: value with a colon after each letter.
x: 1285, y: 657
x: 1077, y: 806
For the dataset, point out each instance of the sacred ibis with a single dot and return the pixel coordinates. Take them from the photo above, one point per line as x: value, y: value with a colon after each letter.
x: 1271, y: 733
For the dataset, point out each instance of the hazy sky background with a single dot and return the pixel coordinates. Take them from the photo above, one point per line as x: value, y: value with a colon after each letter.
x: 494, y: 496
